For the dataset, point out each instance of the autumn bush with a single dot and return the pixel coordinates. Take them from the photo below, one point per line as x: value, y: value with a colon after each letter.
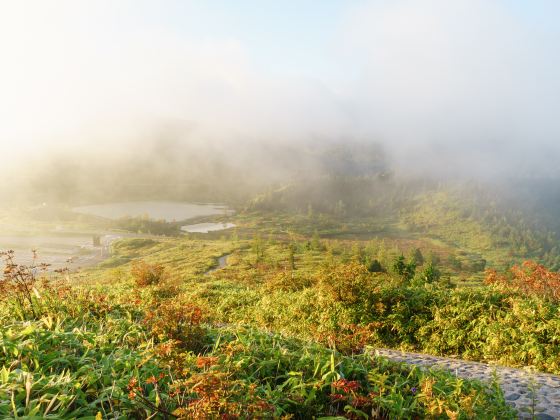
x: 178, y: 321
x: 145, y: 274
x: 287, y: 281
x: 19, y: 285
x: 349, y: 283
x: 528, y: 278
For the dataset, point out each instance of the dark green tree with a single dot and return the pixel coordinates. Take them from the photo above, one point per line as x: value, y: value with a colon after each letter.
x: 430, y: 274
x: 404, y: 269
x: 291, y: 256
x: 375, y: 267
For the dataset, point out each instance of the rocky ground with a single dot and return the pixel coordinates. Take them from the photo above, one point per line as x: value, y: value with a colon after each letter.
x: 533, y: 395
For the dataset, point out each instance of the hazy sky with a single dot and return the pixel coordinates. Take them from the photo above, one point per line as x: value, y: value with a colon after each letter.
x: 450, y: 83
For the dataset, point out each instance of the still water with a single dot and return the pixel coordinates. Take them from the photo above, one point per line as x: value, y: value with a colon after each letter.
x: 206, y: 227
x: 159, y: 210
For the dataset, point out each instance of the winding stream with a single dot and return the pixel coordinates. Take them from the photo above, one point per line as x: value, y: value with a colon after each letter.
x: 222, y: 263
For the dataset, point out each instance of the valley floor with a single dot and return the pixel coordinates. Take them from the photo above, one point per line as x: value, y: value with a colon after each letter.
x: 274, y: 319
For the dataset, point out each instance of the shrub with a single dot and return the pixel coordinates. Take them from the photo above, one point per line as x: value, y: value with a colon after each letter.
x: 375, y: 267
x: 18, y: 286
x: 417, y: 257
x: 430, y: 274
x: 529, y: 278
x: 405, y: 270
x: 145, y: 274
x: 346, y: 283
x: 178, y: 321
x: 287, y: 281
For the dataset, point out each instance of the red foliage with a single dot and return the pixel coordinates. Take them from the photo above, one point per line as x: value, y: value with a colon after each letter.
x: 351, y: 338
x: 346, y: 386
x: 345, y: 392
x: 530, y: 278
x: 177, y: 321
x: 212, y: 395
x: 205, y: 361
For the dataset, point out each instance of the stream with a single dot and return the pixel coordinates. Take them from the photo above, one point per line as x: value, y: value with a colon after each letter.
x: 222, y: 263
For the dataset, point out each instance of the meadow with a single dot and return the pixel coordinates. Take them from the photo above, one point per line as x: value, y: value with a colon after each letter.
x: 286, y: 329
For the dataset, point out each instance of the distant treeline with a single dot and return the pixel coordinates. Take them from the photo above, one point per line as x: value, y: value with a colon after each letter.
x: 476, y: 216
x: 145, y: 225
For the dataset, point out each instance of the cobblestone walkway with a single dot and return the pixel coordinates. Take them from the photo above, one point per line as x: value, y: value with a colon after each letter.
x: 517, y: 384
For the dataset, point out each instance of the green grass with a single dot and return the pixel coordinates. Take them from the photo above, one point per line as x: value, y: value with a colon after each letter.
x: 285, y: 329
x: 476, y: 322
x: 94, y: 354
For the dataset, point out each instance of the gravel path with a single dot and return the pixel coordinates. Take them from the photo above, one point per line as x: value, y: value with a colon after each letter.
x: 517, y: 384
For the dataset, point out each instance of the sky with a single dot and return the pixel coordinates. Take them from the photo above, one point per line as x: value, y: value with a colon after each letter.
x: 462, y: 85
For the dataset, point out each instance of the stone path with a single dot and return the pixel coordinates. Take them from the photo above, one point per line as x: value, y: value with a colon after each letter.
x: 517, y: 384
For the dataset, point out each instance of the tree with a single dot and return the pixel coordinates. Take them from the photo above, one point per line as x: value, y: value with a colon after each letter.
x: 316, y: 241
x: 430, y: 274
x: 309, y: 210
x: 478, y: 265
x: 405, y: 270
x: 291, y: 256
x: 382, y: 252
x: 340, y: 208
x: 358, y: 253
x: 434, y: 258
x: 454, y: 262
x: 258, y: 248
x: 417, y: 257
x: 375, y: 267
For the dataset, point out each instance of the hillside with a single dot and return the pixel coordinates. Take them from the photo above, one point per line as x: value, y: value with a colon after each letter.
x: 287, y: 327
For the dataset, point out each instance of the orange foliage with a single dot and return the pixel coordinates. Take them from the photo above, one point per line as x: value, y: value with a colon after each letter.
x: 177, y: 321
x: 215, y: 395
x: 145, y: 274
x: 529, y: 278
x: 350, y: 338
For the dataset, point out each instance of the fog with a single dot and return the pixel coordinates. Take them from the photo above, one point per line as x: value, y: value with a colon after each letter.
x: 467, y: 88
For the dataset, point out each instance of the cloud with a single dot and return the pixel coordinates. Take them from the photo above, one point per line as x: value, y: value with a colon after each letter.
x: 77, y: 75
x: 466, y: 86
x: 74, y: 76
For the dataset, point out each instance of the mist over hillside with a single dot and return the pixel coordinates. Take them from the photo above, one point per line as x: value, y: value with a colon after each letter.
x: 294, y: 209
x: 401, y: 110
x: 463, y: 89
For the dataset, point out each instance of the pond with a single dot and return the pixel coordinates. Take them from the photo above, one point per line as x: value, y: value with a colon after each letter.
x: 159, y: 210
x: 206, y: 227
x: 59, y: 250
x: 60, y: 244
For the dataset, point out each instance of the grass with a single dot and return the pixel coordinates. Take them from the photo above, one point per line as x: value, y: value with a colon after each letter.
x: 477, y: 323
x: 283, y: 331
x: 93, y: 354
